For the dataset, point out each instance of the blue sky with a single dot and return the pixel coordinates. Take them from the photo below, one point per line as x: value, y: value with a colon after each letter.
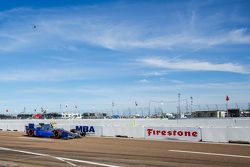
x: 90, y: 53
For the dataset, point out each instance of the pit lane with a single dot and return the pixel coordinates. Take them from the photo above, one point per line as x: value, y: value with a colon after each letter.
x: 19, y: 150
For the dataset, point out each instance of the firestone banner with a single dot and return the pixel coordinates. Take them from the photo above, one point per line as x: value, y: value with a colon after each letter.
x: 173, y: 133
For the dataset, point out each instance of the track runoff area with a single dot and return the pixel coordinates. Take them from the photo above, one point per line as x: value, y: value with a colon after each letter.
x: 16, y: 149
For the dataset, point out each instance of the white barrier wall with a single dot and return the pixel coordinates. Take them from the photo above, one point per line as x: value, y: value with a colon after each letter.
x: 214, y: 135
x: 212, y: 130
x: 238, y: 134
x: 226, y: 134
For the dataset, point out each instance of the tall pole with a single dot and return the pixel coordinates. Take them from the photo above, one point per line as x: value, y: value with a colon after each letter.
x: 186, y: 106
x: 136, y: 104
x: 207, y: 107
x: 217, y: 108
x: 227, y: 100
x: 149, y: 106
x: 191, y: 101
x: 113, y: 104
x: 179, y: 105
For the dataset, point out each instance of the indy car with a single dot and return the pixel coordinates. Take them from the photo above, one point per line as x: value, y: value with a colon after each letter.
x: 49, y: 131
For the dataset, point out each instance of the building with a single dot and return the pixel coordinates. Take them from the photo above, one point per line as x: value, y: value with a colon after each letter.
x: 71, y: 116
x: 233, y: 112
x: 209, y: 114
x: 94, y: 115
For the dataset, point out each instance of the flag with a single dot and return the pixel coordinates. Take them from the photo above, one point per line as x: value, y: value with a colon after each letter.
x: 227, y: 98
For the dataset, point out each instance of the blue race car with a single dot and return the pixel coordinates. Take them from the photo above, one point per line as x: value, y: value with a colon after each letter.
x: 48, y: 131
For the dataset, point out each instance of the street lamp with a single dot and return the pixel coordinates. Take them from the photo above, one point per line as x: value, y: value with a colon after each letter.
x: 149, y: 105
x: 191, y: 100
x: 179, y: 105
x: 113, y: 104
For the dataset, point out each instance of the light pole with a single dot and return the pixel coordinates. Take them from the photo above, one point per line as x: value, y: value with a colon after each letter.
x: 136, y: 104
x: 162, y: 111
x: 113, y: 104
x: 207, y: 107
x: 191, y: 107
x: 149, y: 106
x: 179, y: 105
x: 217, y: 108
x: 227, y: 100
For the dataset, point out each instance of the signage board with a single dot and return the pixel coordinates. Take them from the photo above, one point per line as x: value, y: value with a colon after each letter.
x: 173, y: 133
x: 90, y: 130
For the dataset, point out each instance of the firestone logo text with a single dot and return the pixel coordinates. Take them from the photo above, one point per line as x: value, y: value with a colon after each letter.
x: 172, y: 133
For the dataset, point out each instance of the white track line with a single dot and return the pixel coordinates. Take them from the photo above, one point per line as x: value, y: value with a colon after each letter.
x: 59, y: 158
x: 66, y: 161
x: 36, y: 138
x: 177, y: 141
x: 205, y: 153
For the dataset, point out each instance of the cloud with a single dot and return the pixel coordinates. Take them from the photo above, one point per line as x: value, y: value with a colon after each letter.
x: 56, y: 30
x: 143, y: 81
x: 155, y: 74
x: 44, y: 75
x: 193, y: 65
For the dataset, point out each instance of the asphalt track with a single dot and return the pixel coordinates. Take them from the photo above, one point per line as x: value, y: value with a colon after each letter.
x: 19, y: 150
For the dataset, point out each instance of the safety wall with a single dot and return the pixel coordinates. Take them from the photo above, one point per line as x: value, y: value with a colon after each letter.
x: 229, y: 134
x: 210, y: 130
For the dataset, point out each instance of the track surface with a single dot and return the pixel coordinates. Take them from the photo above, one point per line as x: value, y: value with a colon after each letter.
x: 19, y: 150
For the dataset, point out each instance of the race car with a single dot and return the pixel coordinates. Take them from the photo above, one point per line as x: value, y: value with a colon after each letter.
x: 48, y: 131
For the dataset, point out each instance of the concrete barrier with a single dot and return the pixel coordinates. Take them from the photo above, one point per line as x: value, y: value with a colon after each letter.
x: 214, y: 135
x: 241, y: 135
x: 212, y: 130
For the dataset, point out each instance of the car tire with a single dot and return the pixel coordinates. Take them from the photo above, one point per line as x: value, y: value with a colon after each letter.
x: 57, y: 134
x: 31, y: 133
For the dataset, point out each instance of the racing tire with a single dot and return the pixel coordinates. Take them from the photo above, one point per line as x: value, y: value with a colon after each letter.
x: 83, y: 134
x: 57, y: 134
x: 31, y: 133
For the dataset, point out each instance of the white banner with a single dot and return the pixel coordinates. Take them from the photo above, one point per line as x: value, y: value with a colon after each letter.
x: 90, y: 130
x: 173, y: 133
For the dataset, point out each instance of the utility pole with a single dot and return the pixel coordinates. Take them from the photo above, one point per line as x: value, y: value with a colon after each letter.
x: 191, y: 105
x: 227, y: 101
x: 113, y: 104
x: 179, y: 105
x: 149, y: 106
x: 136, y: 104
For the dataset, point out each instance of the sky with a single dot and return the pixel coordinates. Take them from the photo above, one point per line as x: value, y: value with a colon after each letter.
x: 91, y: 54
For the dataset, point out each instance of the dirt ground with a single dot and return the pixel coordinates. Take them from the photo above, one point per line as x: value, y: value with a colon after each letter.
x: 16, y: 149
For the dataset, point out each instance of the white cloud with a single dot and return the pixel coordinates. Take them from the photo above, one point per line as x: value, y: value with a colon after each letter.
x: 155, y: 74
x: 143, y: 81
x: 44, y: 75
x: 176, y: 81
x: 193, y: 65
x: 55, y: 30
